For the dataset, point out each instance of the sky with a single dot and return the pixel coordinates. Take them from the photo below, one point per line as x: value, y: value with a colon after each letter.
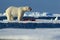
x: 51, y: 6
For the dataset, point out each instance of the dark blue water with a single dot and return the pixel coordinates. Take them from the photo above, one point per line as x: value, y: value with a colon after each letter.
x: 30, y: 25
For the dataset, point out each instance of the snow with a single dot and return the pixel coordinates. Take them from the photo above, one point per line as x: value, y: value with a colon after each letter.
x: 37, y: 14
x: 31, y: 34
x: 56, y: 15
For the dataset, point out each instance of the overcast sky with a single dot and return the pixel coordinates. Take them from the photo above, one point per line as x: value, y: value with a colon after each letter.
x: 51, y: 6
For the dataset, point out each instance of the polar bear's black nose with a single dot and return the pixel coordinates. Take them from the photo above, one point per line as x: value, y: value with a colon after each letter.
x: 30, y: 8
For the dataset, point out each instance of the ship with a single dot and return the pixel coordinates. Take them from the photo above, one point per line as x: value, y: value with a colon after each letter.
x: 31, y: 22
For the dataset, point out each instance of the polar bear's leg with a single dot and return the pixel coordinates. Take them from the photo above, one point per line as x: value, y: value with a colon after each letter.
x: 11, y: 18
x: 8, y: 15
x: 8, y: 18
x: 19, y: 15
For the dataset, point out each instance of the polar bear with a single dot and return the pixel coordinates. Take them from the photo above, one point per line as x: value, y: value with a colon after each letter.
x: 18, y: 12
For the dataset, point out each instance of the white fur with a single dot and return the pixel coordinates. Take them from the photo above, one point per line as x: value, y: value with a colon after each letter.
x: 16, y: 11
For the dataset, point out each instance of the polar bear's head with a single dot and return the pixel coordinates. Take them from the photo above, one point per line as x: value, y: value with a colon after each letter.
x: 26, y: 8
